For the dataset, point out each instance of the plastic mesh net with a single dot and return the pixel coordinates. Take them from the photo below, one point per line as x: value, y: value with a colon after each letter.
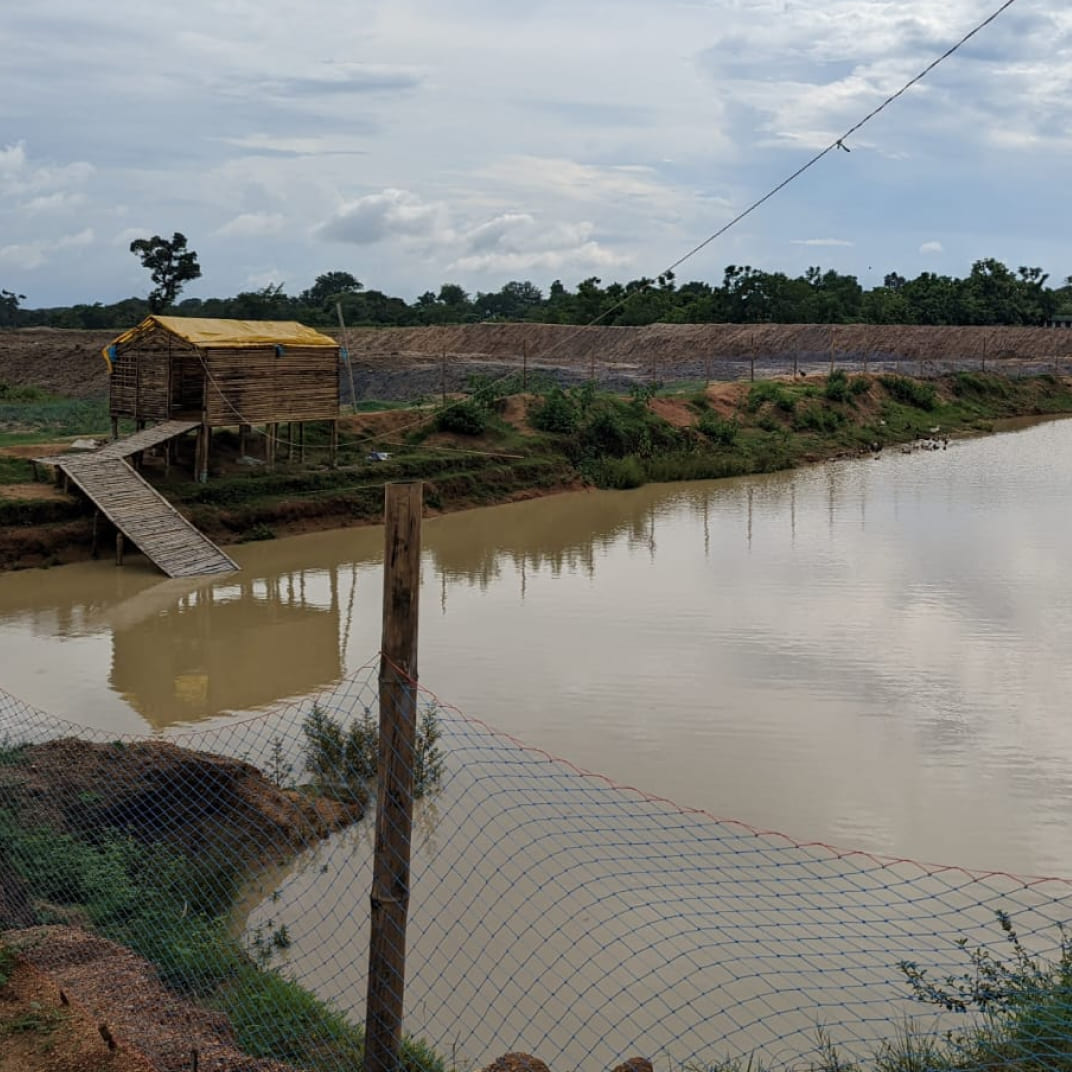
x: 550, y: 910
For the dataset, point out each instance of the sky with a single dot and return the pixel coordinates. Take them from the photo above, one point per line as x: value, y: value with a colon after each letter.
x: 414, y: 143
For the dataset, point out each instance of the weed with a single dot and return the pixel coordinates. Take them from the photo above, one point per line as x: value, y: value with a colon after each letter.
x: 259, y: 531
x: 837, y: 386
x: 859, y: 385
x: 762, y: 392
x: 915, y: 393
x: 721, y: 432
x: 344, y: 762
x: 616, y: 473
x: 558, y: 413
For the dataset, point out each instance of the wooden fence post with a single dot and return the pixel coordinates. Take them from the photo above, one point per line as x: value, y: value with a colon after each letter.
x: 524, y: 367
x: 394, y: 776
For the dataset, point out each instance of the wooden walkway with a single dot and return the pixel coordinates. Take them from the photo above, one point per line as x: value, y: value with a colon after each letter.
x: 143, y: 440
x: 141, y: 513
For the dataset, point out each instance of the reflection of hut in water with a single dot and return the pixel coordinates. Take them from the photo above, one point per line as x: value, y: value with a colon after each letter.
x: 229, y: 647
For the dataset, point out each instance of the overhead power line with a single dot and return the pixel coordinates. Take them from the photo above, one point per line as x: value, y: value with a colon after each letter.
x: 837, y: 143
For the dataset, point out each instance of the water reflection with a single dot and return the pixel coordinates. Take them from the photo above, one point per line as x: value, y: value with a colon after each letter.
x: 845, y: 652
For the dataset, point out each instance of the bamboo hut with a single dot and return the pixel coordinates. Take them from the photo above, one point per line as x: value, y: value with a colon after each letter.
x: 225, y: 373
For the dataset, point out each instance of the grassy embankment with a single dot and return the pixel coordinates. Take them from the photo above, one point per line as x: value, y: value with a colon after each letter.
x: 491, y: 446
x: 140, y: 881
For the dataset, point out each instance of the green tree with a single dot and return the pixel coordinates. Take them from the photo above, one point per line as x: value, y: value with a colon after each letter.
x: 329, y: 288
x: 171, y: 265
x: 9, y: 308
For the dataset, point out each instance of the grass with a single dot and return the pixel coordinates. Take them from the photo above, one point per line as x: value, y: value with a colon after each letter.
x: 581, y: 433
x: 173, y: 910
x: 1018, y: 1018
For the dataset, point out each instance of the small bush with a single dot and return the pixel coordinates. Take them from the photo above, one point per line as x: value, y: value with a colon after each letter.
x: 763, y: 392
x: 343, y: 762
x: 616, y: 473
x: 837, y: 386
x: 467, y: 417
x: 557, y: 413
x: 859, y: 385
x: 818, y: 419
x: 966, y: 384
x: 911, y: 392
x: 717, y: 430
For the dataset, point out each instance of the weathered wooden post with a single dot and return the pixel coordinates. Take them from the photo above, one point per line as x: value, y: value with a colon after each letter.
x: 524, y: 367
x: 831, y: 349
x: 443, y: 377
x: 394, y: 776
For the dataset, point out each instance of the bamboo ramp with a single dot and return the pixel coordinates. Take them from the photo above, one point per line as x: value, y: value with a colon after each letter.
x: 143, y: 440
x: 141, y: 513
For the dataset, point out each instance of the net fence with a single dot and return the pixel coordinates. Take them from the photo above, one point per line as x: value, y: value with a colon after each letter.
x: 550, y: 910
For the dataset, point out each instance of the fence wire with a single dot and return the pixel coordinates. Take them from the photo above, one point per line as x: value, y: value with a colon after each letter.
x: 550, y: 911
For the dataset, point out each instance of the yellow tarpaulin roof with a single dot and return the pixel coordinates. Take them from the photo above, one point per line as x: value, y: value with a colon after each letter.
x: 201, y: 331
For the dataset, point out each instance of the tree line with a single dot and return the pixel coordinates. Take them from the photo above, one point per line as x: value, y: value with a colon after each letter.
x: 991, y: 294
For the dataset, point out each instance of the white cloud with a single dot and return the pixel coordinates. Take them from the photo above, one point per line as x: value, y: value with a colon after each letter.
x: 518, y: 242
x: 60, y: 201
x: 253, y: 225
x: 820, y: 242
x: 31, y: 255
x: 931, y: 247
x: 444, y: 135
x: 387, y: 215
x: 19, y: 176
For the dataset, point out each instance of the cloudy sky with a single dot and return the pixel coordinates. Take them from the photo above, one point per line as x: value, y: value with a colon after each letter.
x: 414, y: 142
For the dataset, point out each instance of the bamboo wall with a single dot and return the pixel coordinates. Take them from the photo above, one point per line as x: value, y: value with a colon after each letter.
x: 139, y: 384
x: 161, y: 377
x: 257, y: 386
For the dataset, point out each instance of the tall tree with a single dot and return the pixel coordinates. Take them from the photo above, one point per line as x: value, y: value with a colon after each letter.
x: 9, y: 308
x: 171, y: 265
x: 328, y: 288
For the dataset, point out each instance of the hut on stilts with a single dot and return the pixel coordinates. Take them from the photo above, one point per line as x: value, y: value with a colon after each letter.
x: 225, y: 373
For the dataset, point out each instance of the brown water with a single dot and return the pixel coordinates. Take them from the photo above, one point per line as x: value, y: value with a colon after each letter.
x: 870, y: 654
x: 847, y: 652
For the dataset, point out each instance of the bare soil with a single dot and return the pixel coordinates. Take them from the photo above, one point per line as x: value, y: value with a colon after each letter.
x: 408, y: 363
x: 68, y: 982
x: 78, y: 1003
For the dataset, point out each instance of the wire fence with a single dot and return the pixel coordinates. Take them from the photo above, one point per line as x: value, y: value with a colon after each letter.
x: 550, y: 911
x: 417, y: 375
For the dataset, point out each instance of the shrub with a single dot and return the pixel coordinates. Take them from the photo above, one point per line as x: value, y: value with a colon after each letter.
x: 616, y: 473
x: 911, y: 392
x: 718, y: 430
x: 837, y: 386
x: 466, y: 417
x: 557, y: 413
x: 343, y: 762
x: 859, y: 385
x: 765, y: 391
x: 818, y: 419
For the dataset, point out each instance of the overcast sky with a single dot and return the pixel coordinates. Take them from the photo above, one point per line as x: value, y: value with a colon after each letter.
x: 413, y: 142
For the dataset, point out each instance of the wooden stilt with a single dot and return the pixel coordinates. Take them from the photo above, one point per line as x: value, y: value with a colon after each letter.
x: 95, y: 548
x: 243, y: 436
x: 118, y: 547
x: 334, y: 451
x: 115, y: 428
x: 290, y: 440
x: 301, y: 441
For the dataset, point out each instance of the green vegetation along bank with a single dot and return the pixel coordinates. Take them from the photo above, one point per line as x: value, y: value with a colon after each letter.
x: 492, y: 444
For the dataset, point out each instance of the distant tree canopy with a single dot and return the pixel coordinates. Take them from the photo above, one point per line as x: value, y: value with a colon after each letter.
x: 171, y: 266
x: 991, y: 294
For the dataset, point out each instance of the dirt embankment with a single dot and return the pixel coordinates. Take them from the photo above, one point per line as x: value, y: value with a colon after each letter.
x: 76, y: 1002
x: 407, y: 363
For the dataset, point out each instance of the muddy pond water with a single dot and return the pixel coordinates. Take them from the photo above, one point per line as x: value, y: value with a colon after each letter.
x: 873, y: 654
